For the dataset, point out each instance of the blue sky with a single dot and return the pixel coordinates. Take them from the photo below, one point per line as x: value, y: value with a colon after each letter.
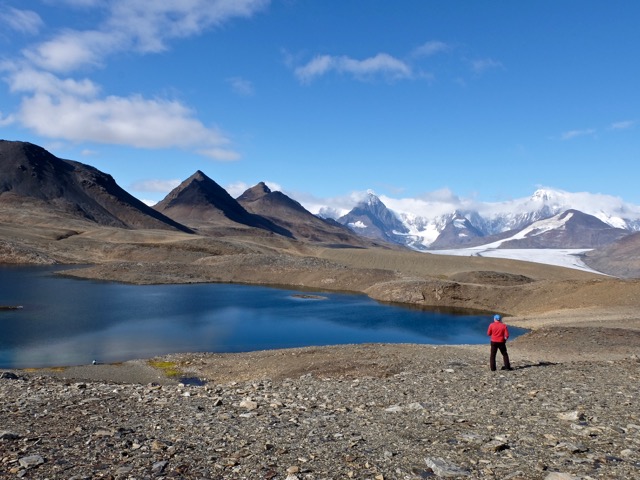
x: 413, y: 99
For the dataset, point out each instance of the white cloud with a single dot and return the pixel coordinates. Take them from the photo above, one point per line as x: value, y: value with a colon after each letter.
x: 431, y: 48
x: 273, y: 186
x: 134, y: 121
x: 481, y: 65
x: 380, y: 64
x: 72, y: 50
x: 150, y: 24
x: 241, y: 86
x: 23, y: 21
x: 624, y: 125
x: 316, y: 67
x: 332, y: 207
x: 577, y: 133
x: 135, y: 25
x: 154, y: 185
x: 30, y: 80
x: 236, y: 189
x: 422, y: 207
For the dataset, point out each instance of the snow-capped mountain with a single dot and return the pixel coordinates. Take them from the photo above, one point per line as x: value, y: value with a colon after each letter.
x: 372, y: 219
x: 595, y: 220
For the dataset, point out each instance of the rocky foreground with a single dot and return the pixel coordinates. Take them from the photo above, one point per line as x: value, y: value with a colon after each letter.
x: 441, y: 414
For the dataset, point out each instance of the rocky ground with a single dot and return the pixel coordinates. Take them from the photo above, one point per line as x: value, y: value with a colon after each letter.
x: 367, y: 411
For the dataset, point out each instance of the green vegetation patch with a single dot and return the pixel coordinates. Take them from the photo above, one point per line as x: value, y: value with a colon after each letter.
x: 170, y: 369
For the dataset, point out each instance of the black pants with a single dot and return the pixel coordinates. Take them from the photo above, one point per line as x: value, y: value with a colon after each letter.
x: 502, y: 346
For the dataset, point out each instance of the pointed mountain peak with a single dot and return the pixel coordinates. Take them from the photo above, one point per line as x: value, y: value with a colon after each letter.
x: 199, y: 174
x: 263, y: 186
x: 199, y: 191
x: 371, y: 198
x: 255, y: 193
x: 200, y: 201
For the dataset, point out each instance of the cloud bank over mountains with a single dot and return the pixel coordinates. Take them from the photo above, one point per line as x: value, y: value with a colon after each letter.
x: 610, y: 209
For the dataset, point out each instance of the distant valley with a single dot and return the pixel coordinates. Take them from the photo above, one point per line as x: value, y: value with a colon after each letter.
x: 68, y: 192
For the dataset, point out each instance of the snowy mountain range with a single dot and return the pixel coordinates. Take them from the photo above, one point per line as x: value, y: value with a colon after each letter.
x: 547, y: 219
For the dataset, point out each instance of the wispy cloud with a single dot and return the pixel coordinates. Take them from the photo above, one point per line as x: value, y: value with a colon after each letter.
x: 431, y: 48
x: 386, y: 66
x: 6, y: 120
x: 381, y: 64
x: 241, y: 86
x: 221, y: 154
x: 624, y: 125
x: 139, y: 26
x: 56, y: 105
x: 155, y: 185
x: 23, y: 21
x: 571, y: 134
x: 481, y: 65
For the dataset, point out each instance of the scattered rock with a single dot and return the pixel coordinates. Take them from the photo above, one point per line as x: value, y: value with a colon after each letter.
x: 6, y: 435
x: 445, y: 469
x: 31, y: 461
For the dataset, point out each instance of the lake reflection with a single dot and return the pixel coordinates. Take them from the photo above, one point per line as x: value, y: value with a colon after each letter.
x: 68, y: 322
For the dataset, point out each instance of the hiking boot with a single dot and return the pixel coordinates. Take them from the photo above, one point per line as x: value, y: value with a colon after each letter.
x: 506, y: 368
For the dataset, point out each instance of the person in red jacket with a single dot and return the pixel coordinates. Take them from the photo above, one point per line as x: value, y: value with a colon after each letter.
x: 499, y: 334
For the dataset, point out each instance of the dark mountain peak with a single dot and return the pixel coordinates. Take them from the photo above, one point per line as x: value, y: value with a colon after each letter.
x: 261, y: 200
x: 263, y: 187
x: 255, y: 193
x: 201, y: 201
x: 73, y: 189
x: 199, y: 175
x: 290, y: 214
x: 584, y: 219
x: 201, y: 196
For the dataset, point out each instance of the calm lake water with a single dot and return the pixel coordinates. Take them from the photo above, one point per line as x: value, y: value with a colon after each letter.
x: 69, y: 322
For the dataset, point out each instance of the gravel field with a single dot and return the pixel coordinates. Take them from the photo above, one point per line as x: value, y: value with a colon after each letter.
x: 359, y: 411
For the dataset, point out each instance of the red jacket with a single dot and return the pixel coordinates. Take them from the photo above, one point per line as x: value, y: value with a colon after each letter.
x: 498, y: 332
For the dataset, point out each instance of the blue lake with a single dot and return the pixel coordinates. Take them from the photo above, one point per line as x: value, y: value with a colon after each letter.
x: 67, y: 321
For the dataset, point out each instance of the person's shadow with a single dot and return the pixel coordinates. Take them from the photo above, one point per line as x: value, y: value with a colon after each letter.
x: 539, y: 364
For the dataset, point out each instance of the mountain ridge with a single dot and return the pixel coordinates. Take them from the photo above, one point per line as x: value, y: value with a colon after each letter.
x: 291, y: 215
x: 200, y: 202
x: 467, y: 228
x: 32, y: 178
x: 72, y: 188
